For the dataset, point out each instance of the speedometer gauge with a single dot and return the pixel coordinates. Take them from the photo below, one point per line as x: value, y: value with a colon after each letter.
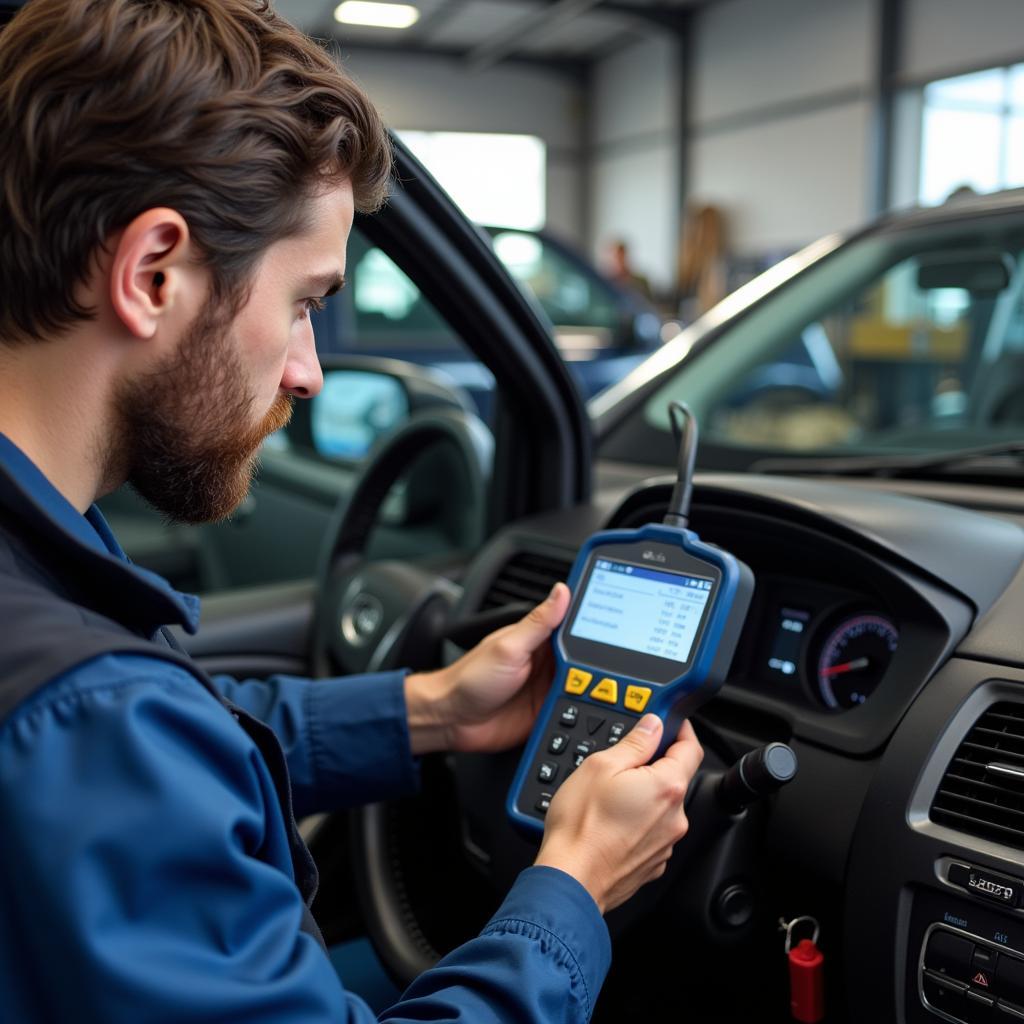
x: 854, y: 658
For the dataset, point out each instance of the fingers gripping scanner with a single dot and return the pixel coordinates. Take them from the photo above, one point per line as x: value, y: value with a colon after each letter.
x: 654, y: 620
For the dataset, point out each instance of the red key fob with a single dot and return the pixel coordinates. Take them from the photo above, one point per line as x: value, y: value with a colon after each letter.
x: 806, y: 982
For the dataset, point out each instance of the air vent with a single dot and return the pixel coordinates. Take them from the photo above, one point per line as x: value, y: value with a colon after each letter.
x: 982, y: 792
x: 525, y: 577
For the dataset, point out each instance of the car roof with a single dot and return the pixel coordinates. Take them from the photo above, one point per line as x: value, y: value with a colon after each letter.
x: 962, y: 207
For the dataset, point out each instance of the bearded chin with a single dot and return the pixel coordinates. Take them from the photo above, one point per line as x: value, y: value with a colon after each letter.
x: 200, y: 479
x: 187, y: 444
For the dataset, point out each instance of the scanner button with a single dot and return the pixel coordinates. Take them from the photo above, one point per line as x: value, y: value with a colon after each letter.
x: 616, y: 732
x: 581, y: 752
x: 569, y: 715
x: 594, y: 723
x: 543, y: 803
x: 606, y: 691
x: 637, y: 697
x: 577, y: 681
x: 547, y: 772
x: 558, y: 743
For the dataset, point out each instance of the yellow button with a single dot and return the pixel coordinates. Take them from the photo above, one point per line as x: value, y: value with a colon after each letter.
x: 637, y: 697
x: 577, y: 680
x: 607, y: 691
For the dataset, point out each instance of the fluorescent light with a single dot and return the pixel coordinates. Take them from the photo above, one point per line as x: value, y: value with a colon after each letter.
x: 377, y: 15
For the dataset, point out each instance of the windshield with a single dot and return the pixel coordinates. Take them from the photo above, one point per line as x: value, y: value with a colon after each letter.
x: 905, y: 340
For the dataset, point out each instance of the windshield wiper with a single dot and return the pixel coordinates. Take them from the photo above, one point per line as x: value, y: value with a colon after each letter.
x: 986, y: 460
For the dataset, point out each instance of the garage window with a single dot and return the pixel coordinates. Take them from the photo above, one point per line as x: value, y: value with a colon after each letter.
x: 495, y: 179
x: 973, y: 133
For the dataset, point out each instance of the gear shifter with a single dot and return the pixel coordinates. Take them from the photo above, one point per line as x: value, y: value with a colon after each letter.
x: 757, y: 774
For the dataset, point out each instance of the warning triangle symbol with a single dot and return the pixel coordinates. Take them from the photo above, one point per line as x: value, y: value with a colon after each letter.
x: 980, y: 979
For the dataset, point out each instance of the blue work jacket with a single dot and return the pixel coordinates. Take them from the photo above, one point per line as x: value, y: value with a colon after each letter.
x: 145, y: 871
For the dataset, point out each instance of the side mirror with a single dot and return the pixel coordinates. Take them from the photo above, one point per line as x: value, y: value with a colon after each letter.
x: 364, y: 398
x: 354, y: 408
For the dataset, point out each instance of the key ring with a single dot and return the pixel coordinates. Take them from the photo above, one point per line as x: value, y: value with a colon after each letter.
x: 788, y: 929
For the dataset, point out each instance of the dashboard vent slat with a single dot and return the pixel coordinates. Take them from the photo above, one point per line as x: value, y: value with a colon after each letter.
x: 961, y: 781
x: 526, y: 576
x: 990, y: 750
x: 975, y: 800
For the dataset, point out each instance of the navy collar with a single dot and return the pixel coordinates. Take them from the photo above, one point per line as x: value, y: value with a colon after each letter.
x: 85, y: 547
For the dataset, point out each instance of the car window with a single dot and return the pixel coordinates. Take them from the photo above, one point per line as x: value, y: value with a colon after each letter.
x: 380, y: 312
x: 570, y: 294
x: 878, y: 347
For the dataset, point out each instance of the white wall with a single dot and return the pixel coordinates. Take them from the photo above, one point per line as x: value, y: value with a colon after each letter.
x: 441, y: 94
x: 945, y: 37
x: 753, y: 54
x: 635, y: 144
x: 786, y: 182
x: 780, y: 118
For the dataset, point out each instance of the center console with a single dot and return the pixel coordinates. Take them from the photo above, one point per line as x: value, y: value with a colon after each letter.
x: 967, y: 962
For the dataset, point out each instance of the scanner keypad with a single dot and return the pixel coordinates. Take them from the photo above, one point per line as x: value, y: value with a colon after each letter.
x: 578, y: 728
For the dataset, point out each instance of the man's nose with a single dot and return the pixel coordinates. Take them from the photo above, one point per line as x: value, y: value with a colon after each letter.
x: 303, y: 377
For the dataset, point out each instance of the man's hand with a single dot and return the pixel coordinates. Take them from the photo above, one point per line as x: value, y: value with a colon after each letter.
x: 613, y: 823
x: 489, y: 698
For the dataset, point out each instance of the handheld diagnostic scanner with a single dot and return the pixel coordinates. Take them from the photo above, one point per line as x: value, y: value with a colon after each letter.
x: 652, y: 627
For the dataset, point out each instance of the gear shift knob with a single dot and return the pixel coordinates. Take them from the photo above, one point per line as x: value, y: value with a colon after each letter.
x: 757, y: 774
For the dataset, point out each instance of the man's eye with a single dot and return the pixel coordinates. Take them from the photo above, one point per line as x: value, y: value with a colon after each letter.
x: 313, y: 304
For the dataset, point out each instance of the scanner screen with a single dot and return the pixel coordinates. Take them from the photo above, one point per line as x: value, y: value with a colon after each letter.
x: 649, y: 611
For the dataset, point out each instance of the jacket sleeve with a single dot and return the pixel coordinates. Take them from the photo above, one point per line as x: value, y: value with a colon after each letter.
x: 542, y: 957
x: 145, y: 855
x: 346, y: 740
x: 145, y: 860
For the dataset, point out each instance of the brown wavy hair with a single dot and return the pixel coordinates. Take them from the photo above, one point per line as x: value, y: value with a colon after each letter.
x: 219, y: 109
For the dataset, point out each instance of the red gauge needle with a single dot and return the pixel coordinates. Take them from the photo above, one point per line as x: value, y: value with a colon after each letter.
x: 847, y: 666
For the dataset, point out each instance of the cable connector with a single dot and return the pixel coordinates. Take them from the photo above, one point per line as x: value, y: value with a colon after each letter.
x: 684, y: 427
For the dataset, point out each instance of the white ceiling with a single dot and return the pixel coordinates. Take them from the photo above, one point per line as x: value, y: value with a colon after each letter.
x: 491, y: 30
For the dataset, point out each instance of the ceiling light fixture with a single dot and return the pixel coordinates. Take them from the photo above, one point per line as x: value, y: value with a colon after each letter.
x: 376, y: 15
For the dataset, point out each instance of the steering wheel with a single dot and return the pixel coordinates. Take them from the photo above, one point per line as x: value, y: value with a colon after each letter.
x: 377, y: 615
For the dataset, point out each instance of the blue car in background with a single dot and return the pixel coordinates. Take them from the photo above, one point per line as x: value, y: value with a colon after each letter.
x: 601, y: 329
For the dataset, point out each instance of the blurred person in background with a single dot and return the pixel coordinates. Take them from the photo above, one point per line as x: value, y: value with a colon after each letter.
x: 621, y: 270
x: 702, y: 262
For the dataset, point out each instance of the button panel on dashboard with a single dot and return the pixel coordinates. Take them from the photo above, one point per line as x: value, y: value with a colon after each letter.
x: 964, y: 978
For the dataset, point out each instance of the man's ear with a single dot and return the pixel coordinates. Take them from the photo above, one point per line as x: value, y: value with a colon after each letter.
x: 148, y: 269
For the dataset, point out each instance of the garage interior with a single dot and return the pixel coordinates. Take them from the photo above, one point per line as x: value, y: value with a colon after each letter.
x: 792, y: 118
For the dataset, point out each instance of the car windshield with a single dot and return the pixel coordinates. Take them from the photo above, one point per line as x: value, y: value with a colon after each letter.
x: 907, y: 339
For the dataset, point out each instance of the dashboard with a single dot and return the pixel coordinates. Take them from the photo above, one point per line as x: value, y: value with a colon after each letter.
x: 883, y: 629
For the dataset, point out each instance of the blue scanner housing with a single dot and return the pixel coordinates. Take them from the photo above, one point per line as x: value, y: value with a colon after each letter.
x: 612, y: 684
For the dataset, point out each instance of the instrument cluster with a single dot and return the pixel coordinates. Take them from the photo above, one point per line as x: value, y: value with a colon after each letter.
x: 826, y: 645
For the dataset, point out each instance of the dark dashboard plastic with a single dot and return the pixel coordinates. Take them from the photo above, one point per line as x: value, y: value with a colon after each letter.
x: 856, y: 817
x: 974, y: 555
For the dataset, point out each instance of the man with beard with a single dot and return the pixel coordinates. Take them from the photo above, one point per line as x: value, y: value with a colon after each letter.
x: 178, y: 186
